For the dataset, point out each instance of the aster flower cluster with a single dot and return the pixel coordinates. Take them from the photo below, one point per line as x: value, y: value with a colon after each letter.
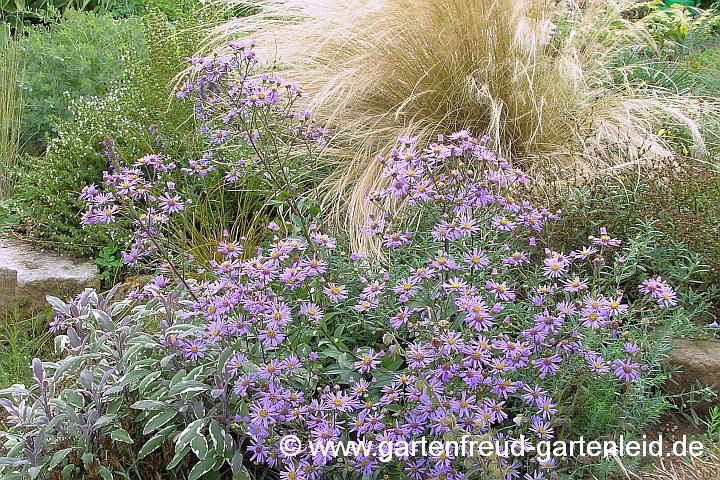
x: 464, y: 326
x: 451, y: 344
x: 233, y: 106
x: 660, y: 291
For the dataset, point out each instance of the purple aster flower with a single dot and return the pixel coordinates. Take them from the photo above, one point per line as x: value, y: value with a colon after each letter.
x: 666, y: 296
x: 365, y: 304
x: 583, y: 253
x: 627, y: 370
x: 373, y: 226
x: 418, y: 356
x: 394, y: 240
x: 367, y: 361
x: 593, y: 318
x: 57, y: 323
x: 311, y: 311
x: 503, y: 223
x: 476, y: 259
x: 455, y: 284
x: 372, y: 290
x: 597, y: 364
x: 323, y: 240
x: 444, y: 263
x: 171, y: 204
x: 630, y: 348
x: 533, y: 395
x: 500, y: 290
x: 195, y: 349
x: 546, y: 407
x: 406, y: 287
x: 400, y: 318
x: 615, y: 307
x: 548, y: 365
x: 575, y: 285
x: 517, y: 258
x: 271, y: 337
x: 231, y: 249
x: 542, y: 429
x: 336, y: 292
x: 262, y: 413
x: 555, y: 266
x: 443, y: 231
x: 604, y: 239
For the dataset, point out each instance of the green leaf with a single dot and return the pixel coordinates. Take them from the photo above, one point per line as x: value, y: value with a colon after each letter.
x: 103, y: 421
x: 104, y: 320
x: 223, y: 358
x: 236, y: 462
x: 148, y: 380
x: 199, y: 446
x: 149, y: 405
x: 13, y: 476
x: 392, y: 364
x: 158, y: 421
x: 70, y: 363
x: 68, y: 470
x: 217, y: 435
x: 58, y: 457
x: 188, y: 386
x: 201, y: 468
x: 189, y: 433
x: 127, y: 380
x: 87, y: 458
x: 179, y: 455
x: 105, y: 473
x: 58, y: 305
x: 166, y: 360
x: 121, y: 435
x: 241, y: 473
x: 177, y: 377
x: 150, y: 446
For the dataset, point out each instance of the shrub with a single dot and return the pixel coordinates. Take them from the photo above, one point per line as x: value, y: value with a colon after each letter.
x: 133, y: 117
x: 27, y: 12
x: 676, y: 24
x: 469, y: 324
x: 490, y: 67
x: 83, y: 55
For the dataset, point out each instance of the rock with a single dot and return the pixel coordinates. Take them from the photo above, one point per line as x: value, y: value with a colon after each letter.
x: 27, y: 276
x: 699, y: 360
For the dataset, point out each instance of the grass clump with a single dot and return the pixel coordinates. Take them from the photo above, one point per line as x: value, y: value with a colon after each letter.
x: 22, y: 339
x: 11, y: 106
x: 536, y: 78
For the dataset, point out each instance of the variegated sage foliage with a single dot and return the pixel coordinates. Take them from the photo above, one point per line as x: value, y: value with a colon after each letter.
x: 109, y: 402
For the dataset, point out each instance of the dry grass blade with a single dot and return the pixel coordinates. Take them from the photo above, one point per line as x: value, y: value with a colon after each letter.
x: 698, y: 468
x: 380, y: 69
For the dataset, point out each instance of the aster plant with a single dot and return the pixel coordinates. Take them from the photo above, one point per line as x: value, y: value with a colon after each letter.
x: 467, y: 324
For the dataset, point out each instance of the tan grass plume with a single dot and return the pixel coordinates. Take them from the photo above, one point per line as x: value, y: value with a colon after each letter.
x: 380, y: 69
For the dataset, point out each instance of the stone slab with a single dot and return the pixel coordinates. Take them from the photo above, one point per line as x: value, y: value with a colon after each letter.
x: 699, y: 360
x: 39, y: 273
